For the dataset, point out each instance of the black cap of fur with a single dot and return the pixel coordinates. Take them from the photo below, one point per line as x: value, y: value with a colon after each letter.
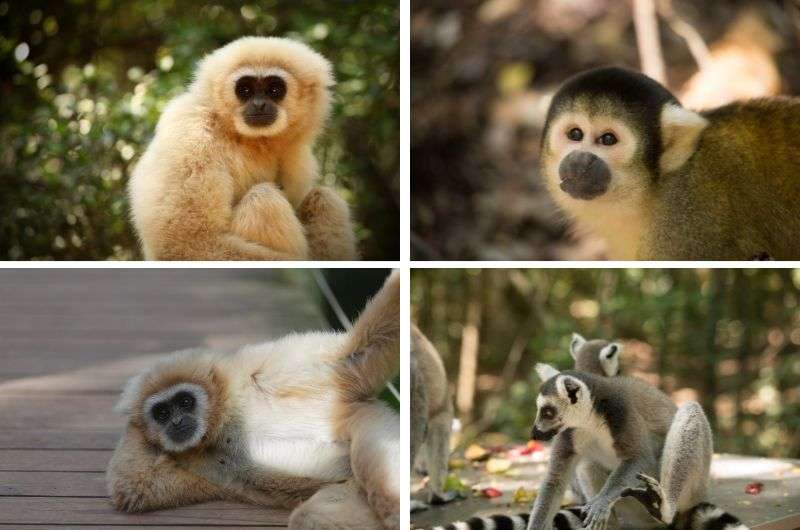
x: 637, y: 97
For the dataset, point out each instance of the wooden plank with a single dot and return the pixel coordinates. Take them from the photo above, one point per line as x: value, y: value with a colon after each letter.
x: 59, y: 439
x: 49, y: 484
x: 68, y: 412
x: 82, y: 511
x: 55, y: 460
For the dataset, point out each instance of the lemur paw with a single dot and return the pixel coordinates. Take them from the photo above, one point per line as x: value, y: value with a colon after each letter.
x: 650, y: 495
x: 596, y: 514
x: 418, y: 506
x: 444, y: 498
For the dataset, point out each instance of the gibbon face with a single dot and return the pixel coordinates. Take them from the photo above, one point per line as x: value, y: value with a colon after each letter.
x: 175, y: 416
x: 267, y: 86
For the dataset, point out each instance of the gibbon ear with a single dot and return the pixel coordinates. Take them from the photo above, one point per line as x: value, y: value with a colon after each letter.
x: 570, y: 388
x: 609, y: 358
x: 546, y: 371
x: 372, y: 351
x: 575, y: 344
x: 130, y: 394
x: 680, y: 132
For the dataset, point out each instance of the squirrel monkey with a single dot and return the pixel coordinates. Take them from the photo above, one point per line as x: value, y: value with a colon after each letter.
x: 626, y: 161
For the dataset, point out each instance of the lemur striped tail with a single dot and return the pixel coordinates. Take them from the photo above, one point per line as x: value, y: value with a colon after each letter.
x: 568, y: 519
x: 706, y: 516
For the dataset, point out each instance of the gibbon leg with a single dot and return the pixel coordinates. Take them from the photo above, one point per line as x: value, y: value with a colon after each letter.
x: 685, y: 467
x: 264, y: 216
x: 140, y: 480
x: 437, y: 453
x: 329, y: 230
x: 298, y: 170
x: 374, y: 457
x: 335, y: 507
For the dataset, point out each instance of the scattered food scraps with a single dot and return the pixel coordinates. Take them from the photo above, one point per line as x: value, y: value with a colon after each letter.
x: 523, y: 496
x: 754, y: 488
x: 491, y: 493
x: 476, y: 453
x: 498, y: 465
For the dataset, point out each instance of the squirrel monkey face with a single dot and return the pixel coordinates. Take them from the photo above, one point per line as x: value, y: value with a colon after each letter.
x: 592, y: 154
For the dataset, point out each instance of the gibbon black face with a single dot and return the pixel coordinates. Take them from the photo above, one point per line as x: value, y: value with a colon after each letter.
x: 260, y: 96
x: 176, y: 416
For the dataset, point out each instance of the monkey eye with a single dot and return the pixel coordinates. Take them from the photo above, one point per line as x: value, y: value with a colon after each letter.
x: 185, y: 401
x: 244, y: 87
x: 548, y: 413
x: 575, y: 134
x: 160, y: 412
x: 276, y: 87
x: 608, y: 139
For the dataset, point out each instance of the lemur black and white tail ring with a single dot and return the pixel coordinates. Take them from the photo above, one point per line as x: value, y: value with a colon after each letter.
x: 568, y: 519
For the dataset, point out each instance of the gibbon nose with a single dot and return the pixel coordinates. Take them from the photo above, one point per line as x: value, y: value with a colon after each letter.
x: 584, y: 175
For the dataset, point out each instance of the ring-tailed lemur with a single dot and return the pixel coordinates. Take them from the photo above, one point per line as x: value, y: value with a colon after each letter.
x: 632, y: 431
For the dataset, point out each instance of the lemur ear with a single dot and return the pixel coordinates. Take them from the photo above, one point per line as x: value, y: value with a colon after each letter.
x: 546, y: 371
x: 574, y: 346
x: 372, y: 351
x: 680, y: 132
x: 569, y: 387
x: 609, y: 358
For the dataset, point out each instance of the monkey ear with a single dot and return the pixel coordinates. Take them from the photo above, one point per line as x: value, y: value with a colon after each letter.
x: 570, y: 388
x: 609, y: 358
x: 546, y: 371
x: 575, y: 345
x: 680, y: 131
x: 130, y: 394
x: 372, y: 351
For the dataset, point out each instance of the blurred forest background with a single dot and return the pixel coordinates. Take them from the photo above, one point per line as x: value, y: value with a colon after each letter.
x: 84, y: 81
x: 483, y: 72
x: 729, y: 339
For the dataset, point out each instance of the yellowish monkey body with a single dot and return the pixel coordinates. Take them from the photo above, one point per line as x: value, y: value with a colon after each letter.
x: 230, y: 171
x: 292, y: 423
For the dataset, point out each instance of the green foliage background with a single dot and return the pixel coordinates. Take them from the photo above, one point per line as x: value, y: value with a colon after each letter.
x: 84, y: 81
x: 729, y: 339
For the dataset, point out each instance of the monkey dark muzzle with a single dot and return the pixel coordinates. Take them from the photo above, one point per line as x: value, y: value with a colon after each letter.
x: 260, y: 113
x: 543, y: 436
x: 584, y: 175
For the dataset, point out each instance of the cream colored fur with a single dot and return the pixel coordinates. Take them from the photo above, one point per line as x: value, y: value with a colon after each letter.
x: 285, y: 423
x: 206, y: 188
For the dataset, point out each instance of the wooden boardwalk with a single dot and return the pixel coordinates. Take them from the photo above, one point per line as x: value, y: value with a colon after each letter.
x: 69, y: 339
x: 777, y: 507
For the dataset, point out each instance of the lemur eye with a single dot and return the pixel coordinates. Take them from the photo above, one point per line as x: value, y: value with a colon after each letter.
x: 276, y: 87
x: 548, y: 413
x: 575, y: 134
x: 608, y: 139
x: 161, y: 412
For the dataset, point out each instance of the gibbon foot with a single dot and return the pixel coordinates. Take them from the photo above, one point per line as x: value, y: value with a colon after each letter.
x: 329, y: 230
x: 650, y: 495
x: 264, y: 216
x: 335, y: 507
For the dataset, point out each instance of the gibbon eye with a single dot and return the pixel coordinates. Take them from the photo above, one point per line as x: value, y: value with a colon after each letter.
x: 244, y: 87
x: 185, y: 401
x: 161, y: 412
x: 575, y: 134
x: 276, y: 87
x: 608, y: 139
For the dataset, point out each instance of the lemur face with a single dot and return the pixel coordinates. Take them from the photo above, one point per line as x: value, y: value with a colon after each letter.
x: 175, y: 416
x: 561, y: 404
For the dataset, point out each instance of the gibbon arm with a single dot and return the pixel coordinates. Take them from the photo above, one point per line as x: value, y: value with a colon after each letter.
x: 141, y: 478
x: 329, y: 230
